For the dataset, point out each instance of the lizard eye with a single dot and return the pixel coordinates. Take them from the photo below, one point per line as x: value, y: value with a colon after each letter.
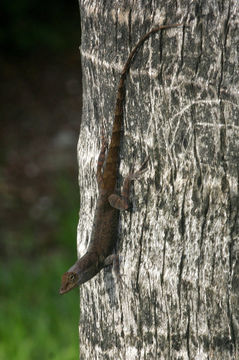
x: 71, y: 277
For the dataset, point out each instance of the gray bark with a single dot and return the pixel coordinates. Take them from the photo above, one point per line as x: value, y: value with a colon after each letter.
x: 179, y: 247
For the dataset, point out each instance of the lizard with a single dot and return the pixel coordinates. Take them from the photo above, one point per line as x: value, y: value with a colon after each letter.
x: 106, y: 218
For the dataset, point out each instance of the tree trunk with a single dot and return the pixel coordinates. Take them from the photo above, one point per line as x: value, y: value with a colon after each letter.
x: 179, y: 246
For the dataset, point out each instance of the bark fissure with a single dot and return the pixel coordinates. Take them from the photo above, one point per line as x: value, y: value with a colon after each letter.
x: 188, y: 334
x: 140, y: 249
x: 164, y: 252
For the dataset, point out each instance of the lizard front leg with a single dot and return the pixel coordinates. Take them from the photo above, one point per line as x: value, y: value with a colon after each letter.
x: 114, y: 260
x: 122, y: 202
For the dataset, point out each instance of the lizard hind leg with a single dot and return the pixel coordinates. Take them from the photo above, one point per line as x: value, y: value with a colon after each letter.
x: 122, y: 202
x: 101, y: 158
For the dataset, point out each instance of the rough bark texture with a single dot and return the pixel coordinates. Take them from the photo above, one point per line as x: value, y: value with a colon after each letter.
x: 179, y: 247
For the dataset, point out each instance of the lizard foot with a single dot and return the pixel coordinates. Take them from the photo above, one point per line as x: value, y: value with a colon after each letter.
x: 143, y: 168
x: 114, y: 260
x: 122, y: 202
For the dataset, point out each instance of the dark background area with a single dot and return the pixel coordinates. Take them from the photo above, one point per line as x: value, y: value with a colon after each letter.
x: 40, y: 97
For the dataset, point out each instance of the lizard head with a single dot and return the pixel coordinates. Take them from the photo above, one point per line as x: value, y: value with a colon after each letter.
x: 69, y: 281
x: 83, y: 270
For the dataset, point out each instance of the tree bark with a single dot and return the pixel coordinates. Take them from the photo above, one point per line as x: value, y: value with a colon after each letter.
x: 179, y: 246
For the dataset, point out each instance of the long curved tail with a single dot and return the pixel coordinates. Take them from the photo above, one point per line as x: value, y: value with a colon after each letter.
x: 112, y: 162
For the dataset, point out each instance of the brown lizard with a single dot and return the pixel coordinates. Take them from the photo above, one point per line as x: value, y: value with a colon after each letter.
x: 106, y: 220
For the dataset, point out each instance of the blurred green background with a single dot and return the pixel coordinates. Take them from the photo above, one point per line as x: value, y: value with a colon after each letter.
x: 40, y: 97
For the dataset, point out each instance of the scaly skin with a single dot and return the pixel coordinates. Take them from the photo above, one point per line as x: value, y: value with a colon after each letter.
x: 106, y: 219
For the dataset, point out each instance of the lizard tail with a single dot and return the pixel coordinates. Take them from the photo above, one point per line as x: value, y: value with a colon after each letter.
x: 112, y: 162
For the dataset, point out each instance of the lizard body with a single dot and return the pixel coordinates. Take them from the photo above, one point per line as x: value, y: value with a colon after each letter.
x: 106, y: 218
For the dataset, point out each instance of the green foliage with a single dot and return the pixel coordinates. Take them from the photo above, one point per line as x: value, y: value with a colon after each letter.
x: 36, y: 322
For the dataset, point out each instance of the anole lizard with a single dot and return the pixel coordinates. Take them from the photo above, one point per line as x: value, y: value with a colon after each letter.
x: 105, y: 226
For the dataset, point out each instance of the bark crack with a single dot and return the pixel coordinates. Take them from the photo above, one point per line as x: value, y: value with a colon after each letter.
x: 164, y: 253
x: 188, y: 333
x: 200, y: 52
x: 201, y: 255
x: 141, y: 240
